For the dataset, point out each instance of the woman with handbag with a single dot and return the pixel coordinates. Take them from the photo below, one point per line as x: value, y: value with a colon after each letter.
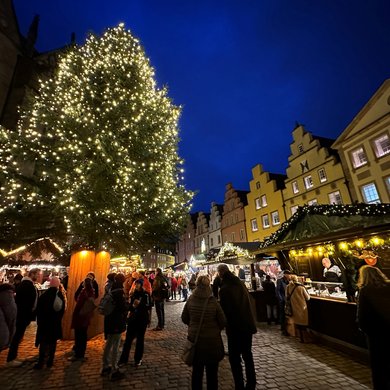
x: 298, y: 296
x: 205, y: 319
x: 81, y: 319
x: 50, y: 310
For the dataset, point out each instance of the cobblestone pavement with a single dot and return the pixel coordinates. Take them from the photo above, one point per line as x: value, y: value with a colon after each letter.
x: 281, y: 363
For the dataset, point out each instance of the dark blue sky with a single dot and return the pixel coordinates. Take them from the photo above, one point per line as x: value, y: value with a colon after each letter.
x: 243, y: 70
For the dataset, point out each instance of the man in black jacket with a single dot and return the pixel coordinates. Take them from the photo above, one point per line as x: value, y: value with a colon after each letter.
x: 281, y: 285
x: 26, y: 301
x: 139, y: 318
x: 235, y: 301
x: 114, y: 326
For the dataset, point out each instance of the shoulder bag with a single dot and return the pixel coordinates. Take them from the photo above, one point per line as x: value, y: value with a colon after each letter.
x: 188, y: 353
x: 288, y: 307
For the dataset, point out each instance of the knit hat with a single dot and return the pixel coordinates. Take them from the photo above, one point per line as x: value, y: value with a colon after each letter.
x: 54, y: 282
x: 140, y: 281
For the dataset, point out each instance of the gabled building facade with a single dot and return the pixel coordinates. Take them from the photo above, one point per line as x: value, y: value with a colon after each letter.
x: 233, y: 217
x: 264, y: 212
x: 202, y: 233
x: 185, y: 247
x: 215, y: 234
x: 314, y: 174
x: 364, y: 148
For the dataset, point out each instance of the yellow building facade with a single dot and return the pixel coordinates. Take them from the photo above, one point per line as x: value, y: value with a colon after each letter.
x: 315, y: 174
x: 364, y: 149
x: 264, y: 212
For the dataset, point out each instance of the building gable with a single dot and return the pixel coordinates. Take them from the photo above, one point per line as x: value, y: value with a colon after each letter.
x: 377, y: 107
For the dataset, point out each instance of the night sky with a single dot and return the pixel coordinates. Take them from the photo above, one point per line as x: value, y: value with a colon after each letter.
x: 244, y: 71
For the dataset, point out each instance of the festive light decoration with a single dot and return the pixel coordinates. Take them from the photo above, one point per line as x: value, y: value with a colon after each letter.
x: 97, y: 148
x: 357, y: 248
x: 329, y: 210
x: 229, y: 249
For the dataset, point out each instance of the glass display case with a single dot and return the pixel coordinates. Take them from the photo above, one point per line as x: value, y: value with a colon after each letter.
x: 331, y: 290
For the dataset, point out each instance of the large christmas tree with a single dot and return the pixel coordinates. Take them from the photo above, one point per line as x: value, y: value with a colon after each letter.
x: 95, y: 157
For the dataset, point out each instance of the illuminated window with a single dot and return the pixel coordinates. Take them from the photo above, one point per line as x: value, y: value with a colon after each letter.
x: 322, y: 175
x: 295, y: 187
x: 257, y: 203
x: 308, y: 182
x: 335, y: 198
x: 370, y: 193
x: 254, y: 225
x: 382, y: 145
x: 387, y: 181
x: 312, y: 202
x: 275, y: 218
x: 263, y: 201
x: 359, y: 158
x: 265, y: 219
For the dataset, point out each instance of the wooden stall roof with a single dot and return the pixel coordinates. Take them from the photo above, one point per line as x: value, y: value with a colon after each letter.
x: 312, y: 225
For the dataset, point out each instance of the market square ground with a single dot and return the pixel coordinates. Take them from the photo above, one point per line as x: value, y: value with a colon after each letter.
x: 281, y: 363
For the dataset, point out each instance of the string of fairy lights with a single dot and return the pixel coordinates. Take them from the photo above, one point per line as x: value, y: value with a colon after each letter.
x: 363, y: 246
x: 99, y: 145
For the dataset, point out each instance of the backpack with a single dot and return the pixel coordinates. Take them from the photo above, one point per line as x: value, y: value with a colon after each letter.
x: 106, y: 305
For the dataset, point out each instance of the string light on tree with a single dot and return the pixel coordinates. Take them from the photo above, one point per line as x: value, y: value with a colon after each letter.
x: 98, y: 148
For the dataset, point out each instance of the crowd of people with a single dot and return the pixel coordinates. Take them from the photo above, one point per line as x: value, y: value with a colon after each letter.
x: 216, y: 302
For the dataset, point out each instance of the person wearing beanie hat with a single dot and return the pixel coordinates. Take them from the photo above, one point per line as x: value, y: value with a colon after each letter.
x: 140, y: 310
x: 50, y: 310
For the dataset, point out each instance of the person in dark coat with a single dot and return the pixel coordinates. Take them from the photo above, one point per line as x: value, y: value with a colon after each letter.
x: 81, y: 319
x: 65, y: 280
x: 7, y: 314
x: 209, y: 347
x: 374, y: 320
x: 90, y: 275
x: 49, y: 322
x: 17, y: 280
x: 270, y: 299
x: 159, y: 295
x: 114, y: 326
x: 138, y: 320
x: 281, y: 285
x: 110, y: 281
x: 26, y: 301
x: 235, y: 301
x: 216, y: 285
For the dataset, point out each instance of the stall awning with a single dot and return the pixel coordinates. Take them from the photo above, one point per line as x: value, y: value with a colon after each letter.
x: 321, y: 223
x: 180, y: 266
x: 241, y: 253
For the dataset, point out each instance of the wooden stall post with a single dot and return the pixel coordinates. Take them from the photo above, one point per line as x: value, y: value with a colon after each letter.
x: 80, y: 264
x: 101, y: 267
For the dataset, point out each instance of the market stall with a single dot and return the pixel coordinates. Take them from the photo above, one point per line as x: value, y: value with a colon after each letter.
x: 326, y: 245
x: 43, y: 253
